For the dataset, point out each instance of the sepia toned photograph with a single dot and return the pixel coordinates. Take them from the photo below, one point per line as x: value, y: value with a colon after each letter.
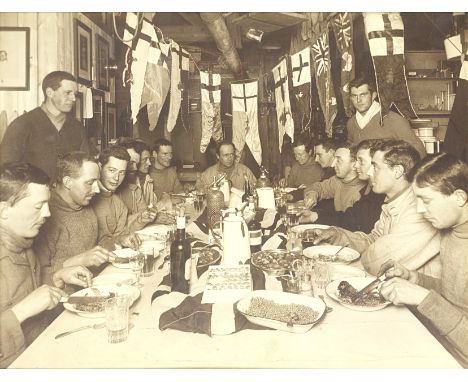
x: 234, y: 191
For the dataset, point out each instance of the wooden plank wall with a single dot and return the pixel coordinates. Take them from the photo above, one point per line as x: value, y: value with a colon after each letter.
x: 51, y: 48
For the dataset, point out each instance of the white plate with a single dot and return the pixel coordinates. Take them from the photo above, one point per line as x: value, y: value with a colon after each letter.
x: 290, y: 189
x: 104, y: 290
x: 358, y: 283
x: 114, y: 279
x: 157, y: 245
x: 345, y: 256
x: 282, y: 298
x: 124, y: 253
x: 155, y: 231
x: 302, y: 227
x: 342, y: 271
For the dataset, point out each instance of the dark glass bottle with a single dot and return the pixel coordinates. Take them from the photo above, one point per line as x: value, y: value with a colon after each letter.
x: 181, y: 251
x: 255, y: 235
x: 247, y: 189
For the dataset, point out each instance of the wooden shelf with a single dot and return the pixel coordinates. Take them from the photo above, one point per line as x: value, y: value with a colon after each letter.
x: 431, y: 78
x: 433, y: 112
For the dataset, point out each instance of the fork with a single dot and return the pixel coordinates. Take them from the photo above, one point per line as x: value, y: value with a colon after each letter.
x: 91, y: 326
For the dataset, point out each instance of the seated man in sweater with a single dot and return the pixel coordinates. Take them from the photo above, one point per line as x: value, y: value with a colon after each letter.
x: 24, y: 195
x: 235, y: 172
x: 164, y: 175
x: 70, y: 236
x: 344, y: 188
x: 401, y: 233
x: 363, y: 214
x: 324, y: 156
x: 365, y: 124
x: 114, y: 223
x: 441, y: 188
x: 133, y: 194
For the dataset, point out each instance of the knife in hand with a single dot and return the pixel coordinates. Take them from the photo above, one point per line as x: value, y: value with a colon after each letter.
x: 369, y: 287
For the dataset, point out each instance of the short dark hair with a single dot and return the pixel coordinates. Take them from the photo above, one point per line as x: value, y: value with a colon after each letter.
x: 443, y: 172
x: 71, y: 163
x: 224, y: 143
x: 328, y: 144
x: 301, y: 141
x: 367, y: 144
x: 362, y: 80
x: 118, y: 152
x: 54, y: 80
x: 134, y: 143
x: 15, y: 178
x: 398, y: 152
x: 161, y: 142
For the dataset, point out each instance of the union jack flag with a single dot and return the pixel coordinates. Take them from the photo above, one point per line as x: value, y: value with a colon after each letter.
x: 321, y: 55
x: 343, y: 27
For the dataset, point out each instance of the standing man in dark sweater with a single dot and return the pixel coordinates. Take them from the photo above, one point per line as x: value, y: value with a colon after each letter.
x: 365, y: 124
x: 41, y: 135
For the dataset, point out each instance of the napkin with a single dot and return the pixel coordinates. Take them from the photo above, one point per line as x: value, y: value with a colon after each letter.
x: 266, y: 197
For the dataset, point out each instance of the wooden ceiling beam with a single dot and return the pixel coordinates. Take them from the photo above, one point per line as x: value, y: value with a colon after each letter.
x: 186, y: 33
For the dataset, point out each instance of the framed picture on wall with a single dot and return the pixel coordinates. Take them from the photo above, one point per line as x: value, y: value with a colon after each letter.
x: 14, y: 58
x: 96, y: 131
x: 102, y: 63
x: 83, y: 53
x: 79, y: 106
x: 111, y: 119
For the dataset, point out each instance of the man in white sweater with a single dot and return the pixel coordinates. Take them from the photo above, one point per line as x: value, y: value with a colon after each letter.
x: 401, y: 233
x: 441, y: 187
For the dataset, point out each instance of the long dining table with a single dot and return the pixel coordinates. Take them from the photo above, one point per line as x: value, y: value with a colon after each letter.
x: 389, y: 338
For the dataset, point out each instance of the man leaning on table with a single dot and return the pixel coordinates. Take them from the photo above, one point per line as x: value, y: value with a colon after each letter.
x: 114, y: 223
x: 70, y: 235
x: 344, y: 187
x: 24, y: 196
x: 441, y: 188
x: 401, y: 232
x: 363, y: 214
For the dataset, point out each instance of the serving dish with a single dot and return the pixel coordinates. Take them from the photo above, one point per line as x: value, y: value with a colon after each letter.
x: 327, y: 253
x: 358, y: 283
x: 274, y: 262
x: 299, y: 307
x: 102, y: 290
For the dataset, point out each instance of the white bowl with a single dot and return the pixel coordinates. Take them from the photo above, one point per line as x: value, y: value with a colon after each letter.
x: 302, y: 227
x: 282, y: 298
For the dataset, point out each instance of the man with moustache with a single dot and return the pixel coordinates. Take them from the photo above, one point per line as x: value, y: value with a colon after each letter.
x: 363, y: 214
x: 41, y: 135
x: 235, y: 172
x: 344, y: 188
x: 24, y: 195
x: 441, y: 188
x: 70, y: 235
x: 401, y: 233
x: 115, y: 225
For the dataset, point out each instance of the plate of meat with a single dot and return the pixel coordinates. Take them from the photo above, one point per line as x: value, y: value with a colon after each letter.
x: 344, y: 291
x: 93, y: 306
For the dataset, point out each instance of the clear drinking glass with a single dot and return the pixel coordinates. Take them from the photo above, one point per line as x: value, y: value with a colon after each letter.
x: 136, y: 264
x: 116, y: 312
x: 321, y: 278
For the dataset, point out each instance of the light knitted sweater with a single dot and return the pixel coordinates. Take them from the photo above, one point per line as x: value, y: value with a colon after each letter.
x: 401, y: 234
x: 446, y: 306
x: 344, y: 194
